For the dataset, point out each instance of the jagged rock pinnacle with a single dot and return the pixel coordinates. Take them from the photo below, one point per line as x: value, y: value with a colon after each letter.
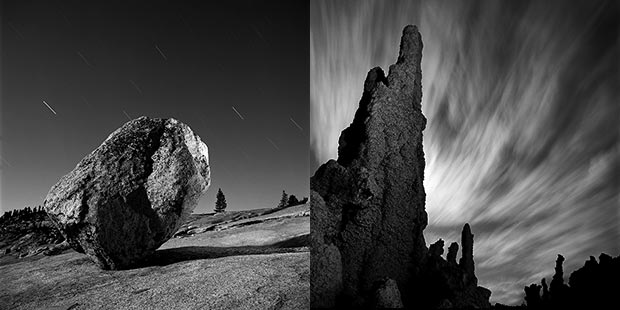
x: 374, y: 191
x: 410, y: 45
x: 368, y: 207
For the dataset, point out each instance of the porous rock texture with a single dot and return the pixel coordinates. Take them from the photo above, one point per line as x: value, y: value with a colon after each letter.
x: 127, y: 197
x: 368, y: 206
x: 372, y: 197
x: 387, y: 295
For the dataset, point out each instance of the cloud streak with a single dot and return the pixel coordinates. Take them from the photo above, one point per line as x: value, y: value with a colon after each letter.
x: 522, y: 138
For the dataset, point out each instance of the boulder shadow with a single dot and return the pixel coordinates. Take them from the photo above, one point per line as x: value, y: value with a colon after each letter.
x: 175, y: 255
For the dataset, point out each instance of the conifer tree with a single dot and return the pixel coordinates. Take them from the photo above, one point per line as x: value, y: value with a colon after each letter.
x: 220, y: 201
x: 284, y: 200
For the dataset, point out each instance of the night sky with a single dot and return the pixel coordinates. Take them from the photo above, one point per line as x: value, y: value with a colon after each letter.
x: 237, y: 72
x: 523, y: 107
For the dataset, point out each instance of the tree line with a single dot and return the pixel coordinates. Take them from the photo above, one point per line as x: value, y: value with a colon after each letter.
x: 21, y: 212
x: 285, y: 201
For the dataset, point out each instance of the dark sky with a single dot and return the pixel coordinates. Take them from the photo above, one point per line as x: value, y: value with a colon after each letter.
x: 99, y: 63
x: 523, y: 106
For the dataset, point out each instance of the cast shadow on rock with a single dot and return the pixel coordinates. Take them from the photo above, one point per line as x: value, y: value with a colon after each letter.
x: 175, y: 255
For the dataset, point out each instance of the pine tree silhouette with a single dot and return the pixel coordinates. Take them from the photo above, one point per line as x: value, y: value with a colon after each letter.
x: 284, y: 200
x: 220, y: 201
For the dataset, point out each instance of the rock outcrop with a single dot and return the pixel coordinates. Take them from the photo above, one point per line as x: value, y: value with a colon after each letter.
x: 467, y: 260
x: 372, y: 197
x: 387, y: 295
x: 557, y: 286
x: 368, y: 206
x: 532, y: 295
x: 130, y: 195
x: 452, y: 252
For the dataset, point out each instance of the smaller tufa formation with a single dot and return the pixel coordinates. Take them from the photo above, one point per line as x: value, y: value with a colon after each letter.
x: 446, y: 284
x: 452, y: 252
x: 532, y: 295
x: 557, y: 283
x: 467, y: 260
x: 557, y: 288
x: 129, y: 196
x: 436, y: 249
x: 545, y: 290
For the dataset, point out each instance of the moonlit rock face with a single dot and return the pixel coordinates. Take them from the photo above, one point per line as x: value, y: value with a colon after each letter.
x: 127, y: 197
x: 371, y: 207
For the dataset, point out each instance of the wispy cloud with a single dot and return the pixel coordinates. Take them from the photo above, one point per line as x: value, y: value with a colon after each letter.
x: 522, y: 138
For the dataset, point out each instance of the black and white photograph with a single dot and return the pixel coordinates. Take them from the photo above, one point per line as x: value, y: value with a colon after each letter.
x: 154, y: 155
x: 309, y: 154
x: 465, y: 154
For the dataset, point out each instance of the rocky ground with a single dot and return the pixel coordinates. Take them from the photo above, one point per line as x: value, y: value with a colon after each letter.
x: 257, y: 259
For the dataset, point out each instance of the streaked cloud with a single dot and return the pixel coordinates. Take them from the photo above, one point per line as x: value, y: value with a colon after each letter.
x: 522, y: 105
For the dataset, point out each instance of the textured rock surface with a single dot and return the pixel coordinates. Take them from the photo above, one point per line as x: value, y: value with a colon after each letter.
x: 373, y: 196
x: 368, y: 212
x: 326, y: 262
x: 130, y: 195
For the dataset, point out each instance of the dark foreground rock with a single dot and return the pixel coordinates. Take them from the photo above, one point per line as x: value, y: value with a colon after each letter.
x: 131, y: 194
x: 371, y: 206
x: 368, y: 207
x: 387, y: 295
x: 446, y: 284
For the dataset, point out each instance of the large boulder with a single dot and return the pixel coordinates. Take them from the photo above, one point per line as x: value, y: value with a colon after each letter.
x: 374, y: 192
x: 129, y: 196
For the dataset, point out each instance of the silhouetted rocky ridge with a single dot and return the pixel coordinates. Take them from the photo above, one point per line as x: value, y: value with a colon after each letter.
x: 593, y: 286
